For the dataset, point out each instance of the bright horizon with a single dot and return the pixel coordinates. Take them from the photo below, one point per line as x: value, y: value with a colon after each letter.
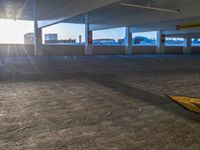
x: 13, y: 31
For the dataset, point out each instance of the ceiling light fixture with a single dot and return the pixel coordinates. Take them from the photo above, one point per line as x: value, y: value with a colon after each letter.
x: 149, y: 7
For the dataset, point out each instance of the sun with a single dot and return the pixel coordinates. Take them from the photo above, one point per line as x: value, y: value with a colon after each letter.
x: 12, y: 32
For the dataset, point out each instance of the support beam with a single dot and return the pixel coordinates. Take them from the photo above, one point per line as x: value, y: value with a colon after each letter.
x: 160, y: 43
x: 187, y: 45
x: 88, y: 37
x: 128, y: 41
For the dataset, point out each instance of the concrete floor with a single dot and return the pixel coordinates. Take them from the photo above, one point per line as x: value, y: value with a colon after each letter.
x: 98, y: 102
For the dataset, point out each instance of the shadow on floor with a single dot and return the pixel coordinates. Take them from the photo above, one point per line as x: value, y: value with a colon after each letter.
x: 162, y: 102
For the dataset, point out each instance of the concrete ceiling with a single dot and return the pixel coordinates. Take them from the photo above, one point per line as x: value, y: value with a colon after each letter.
x: 104, y: 13
x: 49, y: 11
x: 118, y: 15
x: 18, y: 9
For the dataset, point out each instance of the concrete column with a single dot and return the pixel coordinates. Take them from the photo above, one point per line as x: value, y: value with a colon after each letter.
x: 88, y: 37
x: 160, y: 43
x: 38, y: 40
x: 187, y: 49
x: 128, y: 41
x: 38, y: 32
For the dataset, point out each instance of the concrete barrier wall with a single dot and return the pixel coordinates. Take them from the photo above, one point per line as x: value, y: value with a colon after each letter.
x: 58, y: 50
x: 144, y: 49
x: 109, y: 50
x: 63, y: 50
x: 195, y: 49
x: 174, y: 49
x: 16, y: 50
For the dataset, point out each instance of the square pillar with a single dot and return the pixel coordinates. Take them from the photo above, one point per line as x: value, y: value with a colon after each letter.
x: 88, y: 37
x: 187, y: 49
x: 160, y: 43
x: 38, y: 32
x: 38, y: 41
x: 128, y: 41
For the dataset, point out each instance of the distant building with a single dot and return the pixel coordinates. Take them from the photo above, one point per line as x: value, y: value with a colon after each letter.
x: 64, y: 42
x: 174, y: 41
x: 121, y: 41
x: 29, y: 38
x: 140, y: 40
x: 80, y: 39
x: 104, y: 42
x: 53, y: 39
x: 50, y: 38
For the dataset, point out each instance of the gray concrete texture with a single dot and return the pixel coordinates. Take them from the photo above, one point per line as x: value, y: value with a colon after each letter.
x: 79, y: 50
x: 98, y: 102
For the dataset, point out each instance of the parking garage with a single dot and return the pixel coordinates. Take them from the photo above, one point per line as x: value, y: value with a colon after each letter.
x: 87, y: 96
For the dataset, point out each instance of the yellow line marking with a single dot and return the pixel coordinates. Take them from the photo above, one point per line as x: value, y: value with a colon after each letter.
x: 192, y: 104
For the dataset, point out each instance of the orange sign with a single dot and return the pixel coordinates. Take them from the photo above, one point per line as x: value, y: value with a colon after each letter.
x: 90, y: 38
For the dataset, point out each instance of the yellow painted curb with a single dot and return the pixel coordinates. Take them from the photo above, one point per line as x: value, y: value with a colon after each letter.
x: 191, y: 104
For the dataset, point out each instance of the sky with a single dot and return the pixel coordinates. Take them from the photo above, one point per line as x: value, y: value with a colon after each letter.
x: 13, y: 31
